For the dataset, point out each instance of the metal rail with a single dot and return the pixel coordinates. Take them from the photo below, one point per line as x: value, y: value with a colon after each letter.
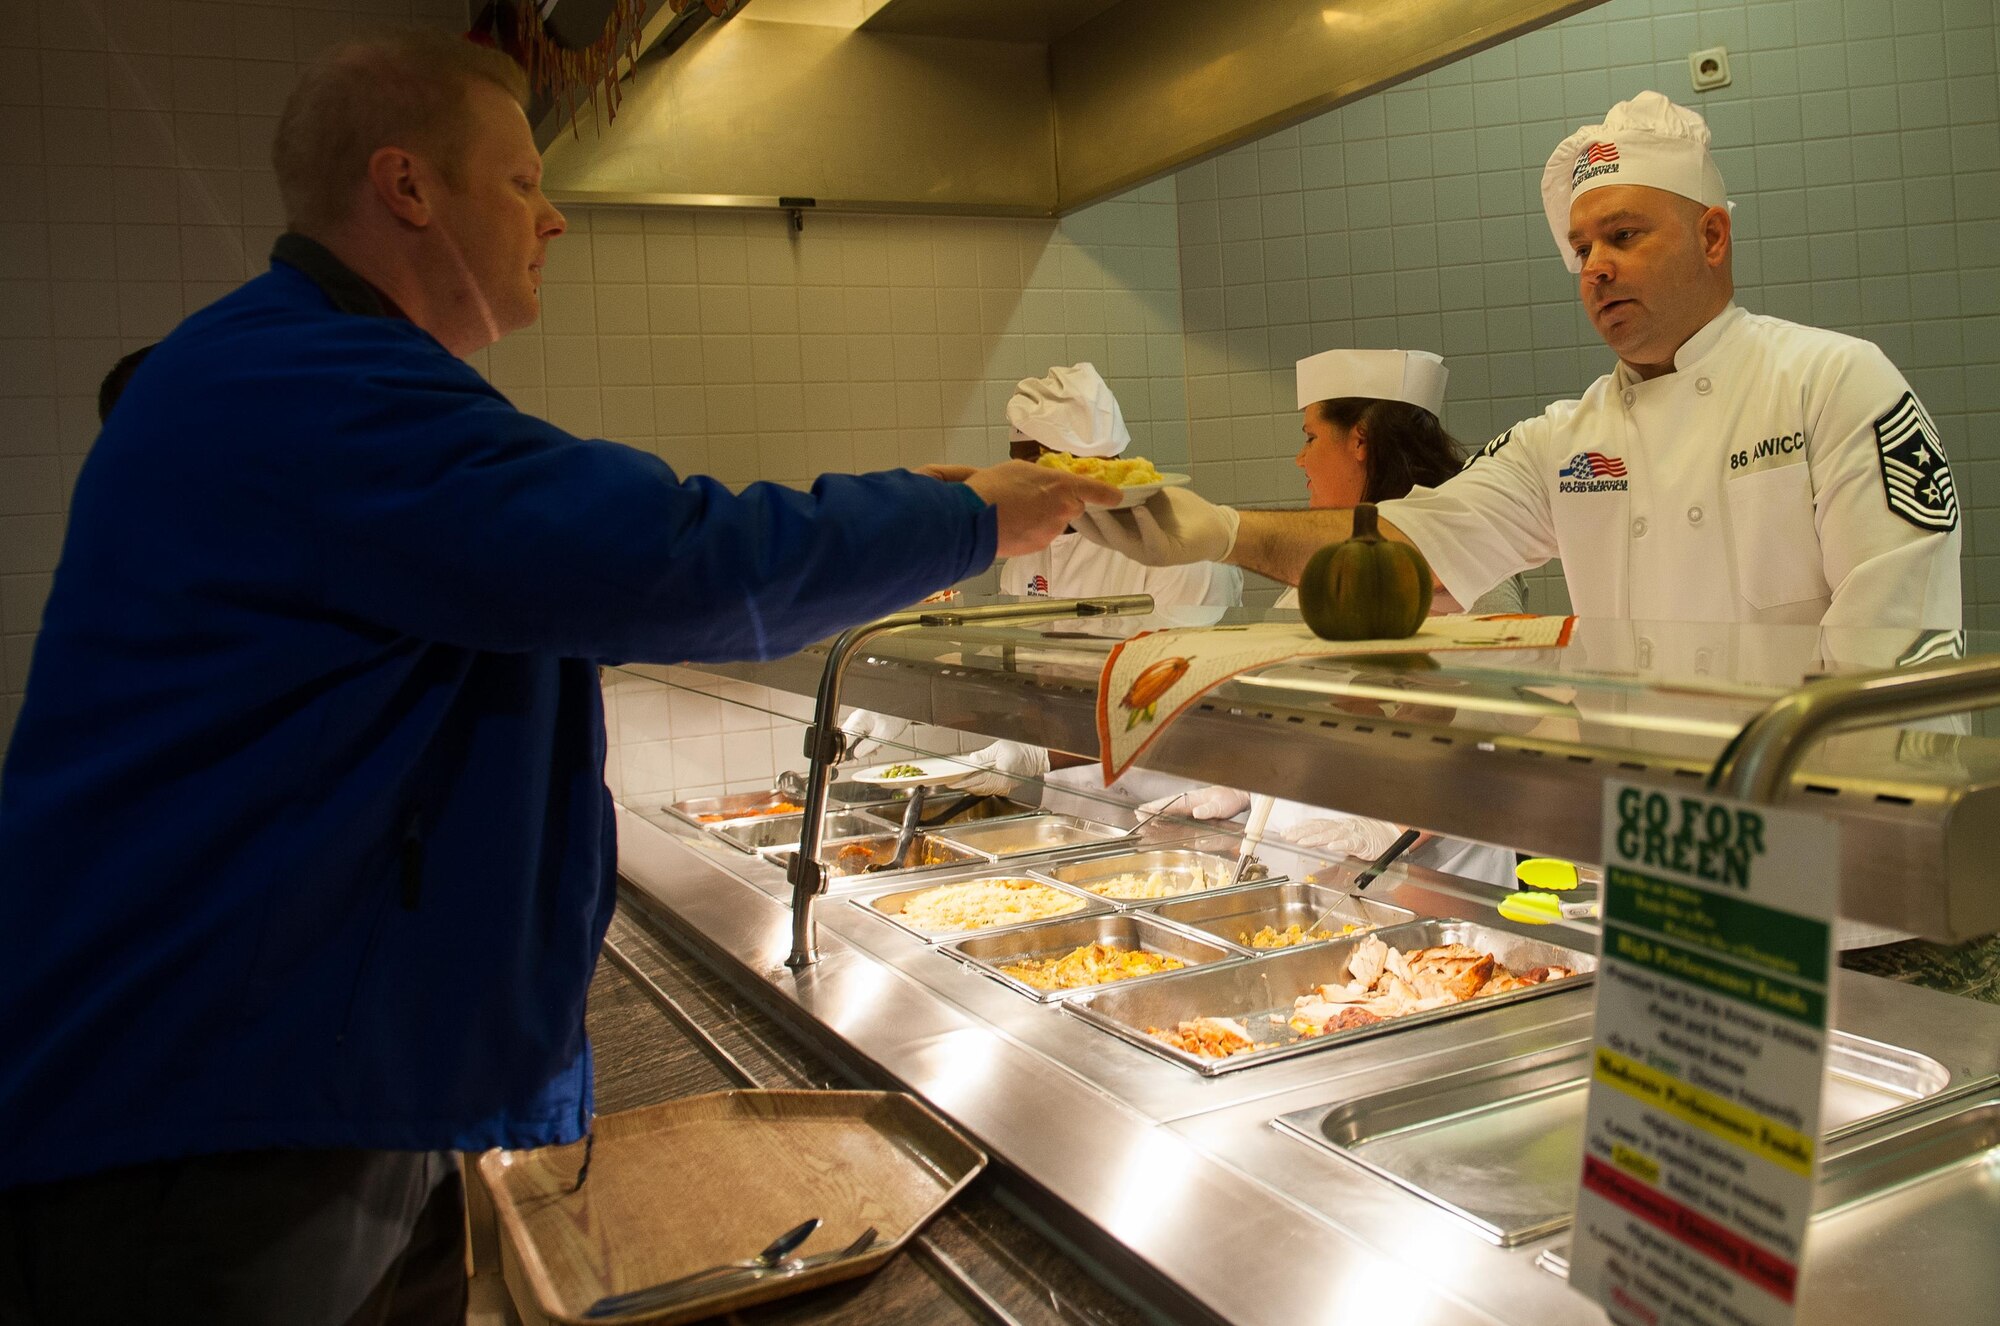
x: 825, y: 748
x: 1757, y: 764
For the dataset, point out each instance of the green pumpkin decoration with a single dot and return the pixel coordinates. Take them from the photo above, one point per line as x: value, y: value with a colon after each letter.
x: 1367, y: 588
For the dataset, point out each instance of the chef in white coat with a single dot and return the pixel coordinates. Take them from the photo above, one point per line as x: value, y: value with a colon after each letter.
x: 1730, y: 467
x: 1072, y: 410
x: 1371, y: 428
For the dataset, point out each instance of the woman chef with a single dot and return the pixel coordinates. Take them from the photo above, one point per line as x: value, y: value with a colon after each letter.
x: 1370, y: 419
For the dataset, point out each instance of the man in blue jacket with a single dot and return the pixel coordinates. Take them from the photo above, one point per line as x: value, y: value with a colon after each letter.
x: 305, y: 849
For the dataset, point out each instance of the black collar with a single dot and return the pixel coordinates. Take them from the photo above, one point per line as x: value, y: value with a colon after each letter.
x: 336, y: 280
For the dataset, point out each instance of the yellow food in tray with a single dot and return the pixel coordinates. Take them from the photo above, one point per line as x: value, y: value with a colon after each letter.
x: 1272, y: 937
x: 982, y: 903
x: 1140, y: 884
x: 1092, y: 964
x: 1124, y: 471
x: 1210, y: 1038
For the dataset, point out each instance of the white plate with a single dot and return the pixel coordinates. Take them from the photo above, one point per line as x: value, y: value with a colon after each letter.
x: 1135, y: 494
x: 930, y: 771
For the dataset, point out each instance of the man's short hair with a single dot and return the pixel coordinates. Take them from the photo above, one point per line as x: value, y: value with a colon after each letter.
x: 405, y: 89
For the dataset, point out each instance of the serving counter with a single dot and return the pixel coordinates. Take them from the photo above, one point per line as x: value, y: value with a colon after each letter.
x: 1417, y: 1172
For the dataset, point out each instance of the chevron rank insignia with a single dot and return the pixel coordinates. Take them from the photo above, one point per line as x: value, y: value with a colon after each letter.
x: 1916, y: 478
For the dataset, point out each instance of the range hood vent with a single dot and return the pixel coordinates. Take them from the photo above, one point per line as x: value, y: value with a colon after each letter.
x: 992, y: 107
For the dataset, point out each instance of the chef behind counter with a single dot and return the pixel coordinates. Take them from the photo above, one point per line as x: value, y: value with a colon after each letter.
x: 1732, y: 466
x: 1072, y: 411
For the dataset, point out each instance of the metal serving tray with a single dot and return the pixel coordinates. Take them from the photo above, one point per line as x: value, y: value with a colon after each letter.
x: 1029, y: 834
x: 1233, y: 915
x: 850, y: 858
x: 783, y: 830
x: 988, y: 953
x: 736, y: 806
x: 1184, y: 871
x: 1893, y: 1205
x: 1500, y: 1146
x: 889, y: 906
x: 1259, y: 993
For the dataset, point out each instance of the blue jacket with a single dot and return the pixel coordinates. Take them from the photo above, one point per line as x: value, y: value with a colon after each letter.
x: 304, y: 839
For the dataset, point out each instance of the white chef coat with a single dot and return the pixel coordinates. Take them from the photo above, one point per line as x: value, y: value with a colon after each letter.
x: 1753, y: 483
x: 1073, y: 567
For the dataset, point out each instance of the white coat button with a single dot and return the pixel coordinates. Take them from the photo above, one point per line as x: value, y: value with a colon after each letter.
x: 1639, y: 528
x: 1630, y: 395
x: 1704, y: 661
x: 1645, y: 653
x: 1694, y: 515
x: 1703, y: 386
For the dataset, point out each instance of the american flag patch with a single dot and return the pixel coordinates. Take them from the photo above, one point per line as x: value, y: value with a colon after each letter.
x: 1597, y: 152
x: 1597, y: 159
x: 1593, y: 465
x: 1916, y: 477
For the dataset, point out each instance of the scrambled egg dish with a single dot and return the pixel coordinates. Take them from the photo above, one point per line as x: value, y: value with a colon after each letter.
x: 1124, y: 471
x: 1092, y: 964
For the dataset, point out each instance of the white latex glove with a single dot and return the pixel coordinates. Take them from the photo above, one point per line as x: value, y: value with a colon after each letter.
x: 999, y: 766
x: 1172, y: 528
x: 866, y: 730
x: 1201, y: 803
x: 1347, y: 833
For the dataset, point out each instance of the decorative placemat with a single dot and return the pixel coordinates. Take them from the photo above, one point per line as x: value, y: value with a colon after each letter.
x: 1151, y: 679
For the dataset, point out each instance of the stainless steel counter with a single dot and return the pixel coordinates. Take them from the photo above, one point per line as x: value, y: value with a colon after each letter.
x: 1189, y: 1174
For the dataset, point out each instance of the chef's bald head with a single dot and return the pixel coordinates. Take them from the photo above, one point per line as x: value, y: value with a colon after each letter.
x: 407, y: 89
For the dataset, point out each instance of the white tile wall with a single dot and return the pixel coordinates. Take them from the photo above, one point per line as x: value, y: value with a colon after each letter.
x: 1860, y: 139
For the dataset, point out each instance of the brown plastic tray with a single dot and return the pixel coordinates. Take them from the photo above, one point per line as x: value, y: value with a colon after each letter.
x: 688, y: 1184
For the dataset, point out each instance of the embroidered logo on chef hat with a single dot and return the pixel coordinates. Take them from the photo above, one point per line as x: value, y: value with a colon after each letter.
x: 1647, y: 140
x: 1916, y: 477
x: 1072, y: 410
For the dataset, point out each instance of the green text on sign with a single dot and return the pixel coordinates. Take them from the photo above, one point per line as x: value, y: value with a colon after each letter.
x: 1714, y: 843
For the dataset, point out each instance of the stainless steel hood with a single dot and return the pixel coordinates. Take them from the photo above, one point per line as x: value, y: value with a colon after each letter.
x: 994, y: 107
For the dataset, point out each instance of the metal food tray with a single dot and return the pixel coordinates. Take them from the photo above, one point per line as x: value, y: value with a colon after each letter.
x: 1029, y: 834
x: 889, y: 906
x: 1893, y: 1204
x: 736, y: 806
x: 1500, y: 1146
x: 1200, y: 872
x: 783, y: 830
x: 1259, y: 993
x: 987, y: 952
x: 1245, y: 911
x: 927, y: 850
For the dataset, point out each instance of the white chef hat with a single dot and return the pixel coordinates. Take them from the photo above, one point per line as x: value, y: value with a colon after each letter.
x: 1416, y: 376
x: 1647, y: 140
x: 1069, y: 410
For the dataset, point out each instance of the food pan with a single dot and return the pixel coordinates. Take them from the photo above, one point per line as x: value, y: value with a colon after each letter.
x: 1259, y: 993
x: 1235, y: 916
x: 1174, y: 871
x: 713, y: 812
x: 1030, y: 833
x: 783, y: 830
x: 988, y: 953
x: 853, y: 856
x: 1500, y: 1145
x: 889, y: 906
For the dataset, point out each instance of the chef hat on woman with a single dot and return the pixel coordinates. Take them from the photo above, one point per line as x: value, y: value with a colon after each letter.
x: 1416, y: 376
x: 1647, y: 140
x: 1069, y: 410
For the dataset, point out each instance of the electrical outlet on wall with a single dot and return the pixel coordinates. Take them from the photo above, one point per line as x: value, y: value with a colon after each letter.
x: 1709, y: 69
